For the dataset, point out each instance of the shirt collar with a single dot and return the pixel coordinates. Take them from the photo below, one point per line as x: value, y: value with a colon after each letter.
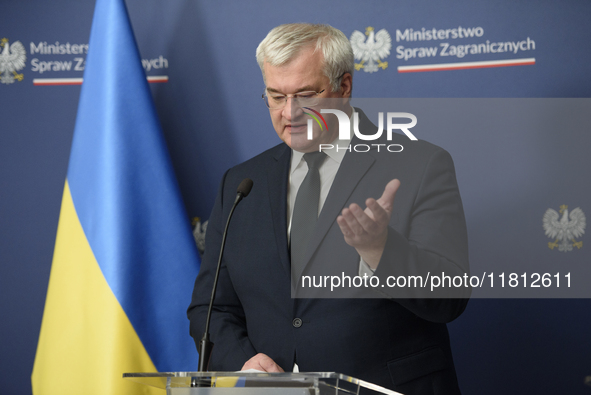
x: 333, y: 153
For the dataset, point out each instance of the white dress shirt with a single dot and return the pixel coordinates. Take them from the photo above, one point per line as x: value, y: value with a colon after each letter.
x: 299, y: 168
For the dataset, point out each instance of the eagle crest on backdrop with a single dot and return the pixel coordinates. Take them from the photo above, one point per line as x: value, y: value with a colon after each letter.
x: 563, y: 229
x: 199, y: 229
x: 372, y: 51
x: 12, y: 59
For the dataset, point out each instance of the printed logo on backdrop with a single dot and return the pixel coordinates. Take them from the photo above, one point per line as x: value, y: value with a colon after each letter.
x: 564, y: 228
x: 12, y: 59
x: 371, y: 51
x: 58, y: 63
x: 438, y: 49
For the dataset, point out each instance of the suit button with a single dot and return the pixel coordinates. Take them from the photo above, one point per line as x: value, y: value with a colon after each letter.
x: 297, y: 322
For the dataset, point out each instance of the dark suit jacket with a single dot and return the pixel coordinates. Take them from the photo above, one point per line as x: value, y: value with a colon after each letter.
x: 393, y: 340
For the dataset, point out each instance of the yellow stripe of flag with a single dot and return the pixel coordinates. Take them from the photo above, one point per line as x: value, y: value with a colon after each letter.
x: 83, y: 324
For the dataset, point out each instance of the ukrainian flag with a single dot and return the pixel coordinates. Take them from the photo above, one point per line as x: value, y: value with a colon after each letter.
x: 125, y: 260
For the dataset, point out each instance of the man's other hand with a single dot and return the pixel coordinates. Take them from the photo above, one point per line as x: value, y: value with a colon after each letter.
x: 262, y: 362
x: 367, y: 230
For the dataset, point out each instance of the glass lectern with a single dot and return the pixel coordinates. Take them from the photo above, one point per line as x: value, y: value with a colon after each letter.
x: 243, y: 383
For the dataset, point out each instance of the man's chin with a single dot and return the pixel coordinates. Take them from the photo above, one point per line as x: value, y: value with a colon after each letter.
x: 302, y: 144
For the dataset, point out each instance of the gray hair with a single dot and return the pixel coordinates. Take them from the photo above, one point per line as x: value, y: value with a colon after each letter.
x: 285, y: 42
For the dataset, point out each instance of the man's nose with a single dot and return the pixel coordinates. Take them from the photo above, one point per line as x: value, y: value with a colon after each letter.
x: 292, y: 109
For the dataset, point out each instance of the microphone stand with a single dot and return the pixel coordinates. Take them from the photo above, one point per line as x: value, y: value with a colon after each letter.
x: 205, y: 345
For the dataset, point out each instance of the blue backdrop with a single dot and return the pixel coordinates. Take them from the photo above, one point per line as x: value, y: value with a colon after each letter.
x: 213, y: 118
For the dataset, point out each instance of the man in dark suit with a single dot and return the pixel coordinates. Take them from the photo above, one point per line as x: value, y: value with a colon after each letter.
x: 394, y: 336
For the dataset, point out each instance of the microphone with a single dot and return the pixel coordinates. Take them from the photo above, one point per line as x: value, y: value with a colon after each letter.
x: 205, y: 345
x: 244, y: 189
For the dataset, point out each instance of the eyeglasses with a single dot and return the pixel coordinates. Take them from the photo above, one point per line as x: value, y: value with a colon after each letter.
x: 276, y: 101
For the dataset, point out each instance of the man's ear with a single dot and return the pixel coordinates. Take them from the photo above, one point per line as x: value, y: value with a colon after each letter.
x: 346, y: 85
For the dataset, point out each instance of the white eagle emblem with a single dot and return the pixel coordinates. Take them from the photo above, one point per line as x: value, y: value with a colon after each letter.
x: 371, y: 51
x: 12, y: 59
x: 563, y: 229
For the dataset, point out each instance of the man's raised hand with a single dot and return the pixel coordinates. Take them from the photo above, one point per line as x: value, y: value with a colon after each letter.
x: 367, y: 230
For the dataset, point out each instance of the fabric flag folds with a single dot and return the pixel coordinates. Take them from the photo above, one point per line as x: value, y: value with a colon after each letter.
x: 125, y: 259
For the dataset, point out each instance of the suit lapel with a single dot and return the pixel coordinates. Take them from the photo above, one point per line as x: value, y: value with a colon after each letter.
x: 352, y: 170
x: 277, y: 177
